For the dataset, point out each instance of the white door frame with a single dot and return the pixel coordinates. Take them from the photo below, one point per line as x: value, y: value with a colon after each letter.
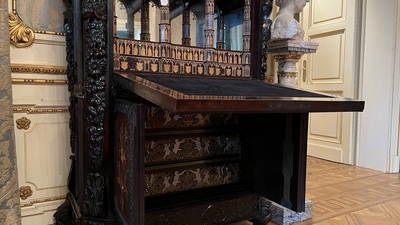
x: 394, y: 152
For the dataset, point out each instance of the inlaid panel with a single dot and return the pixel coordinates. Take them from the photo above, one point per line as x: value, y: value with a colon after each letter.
x: 189, y: 179
x: 195, y: 147
x: 131, y: 55
x: 156, y: 117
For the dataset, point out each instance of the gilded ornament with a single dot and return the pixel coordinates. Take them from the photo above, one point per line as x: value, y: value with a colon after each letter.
x: 39, y: 69
x: 25, y: 192
x: 20, y: 34
x: 23, y: 123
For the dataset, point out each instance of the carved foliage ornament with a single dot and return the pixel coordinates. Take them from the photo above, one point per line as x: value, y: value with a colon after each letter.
x: 23, y: 123
x: 25, y: 192
x: 20, y: 34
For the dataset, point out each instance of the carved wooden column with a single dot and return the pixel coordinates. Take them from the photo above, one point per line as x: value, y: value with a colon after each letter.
x: 114, y: 19
x: 145, y: 22
x: 220, y: 32
x: 186, y: 27
x: 209, y: 25
x: 246, y: 38
x: 165, y: 29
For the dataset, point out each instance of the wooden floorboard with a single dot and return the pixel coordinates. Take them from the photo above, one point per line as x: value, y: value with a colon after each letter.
x: 349, y: 195
x: 343, y: 194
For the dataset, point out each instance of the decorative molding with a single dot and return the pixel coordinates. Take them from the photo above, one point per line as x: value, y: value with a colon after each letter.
x: 23, y: 123
x: 38, y: 81
x: 40, y: 69
x: 25, y: 192
x: 32, y: 109
x: 49, y: 32
x: 31, y: 203
x: 21, y: 35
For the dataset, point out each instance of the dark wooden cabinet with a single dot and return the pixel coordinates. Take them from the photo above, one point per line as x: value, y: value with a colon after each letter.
x: 160, y: 139
x: 212, y: 146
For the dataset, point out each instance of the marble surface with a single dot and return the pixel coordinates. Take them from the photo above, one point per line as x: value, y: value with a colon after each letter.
x: 285, y: 216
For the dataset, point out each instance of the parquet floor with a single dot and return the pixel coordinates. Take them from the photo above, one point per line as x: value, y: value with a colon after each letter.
x: 349, y: 195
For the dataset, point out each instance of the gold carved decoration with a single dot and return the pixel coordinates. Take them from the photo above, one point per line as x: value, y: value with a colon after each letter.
x: 37, y: 81
x: 21, y: 35
x: 31, y: 203
x: 40, y: 69
x: 25, y: 192
x: 31, y: 109
x: 23, y: 123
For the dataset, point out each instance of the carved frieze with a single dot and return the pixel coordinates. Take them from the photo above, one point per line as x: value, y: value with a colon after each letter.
x: 132, y: 55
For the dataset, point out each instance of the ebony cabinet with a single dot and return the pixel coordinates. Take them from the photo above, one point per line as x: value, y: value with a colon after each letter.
x: 203, y: 150
x: 171, y: 134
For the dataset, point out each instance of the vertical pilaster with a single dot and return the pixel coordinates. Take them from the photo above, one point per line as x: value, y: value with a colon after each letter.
x: 220, y: 32
x: 246, y: 38
x: 209, y: 25
x: 186, y: 27
x: 145, y: 22
x: 165, y: 25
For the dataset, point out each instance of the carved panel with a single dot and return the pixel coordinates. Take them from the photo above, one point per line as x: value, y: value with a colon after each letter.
x: 95, y: 58
x: 189, y: 179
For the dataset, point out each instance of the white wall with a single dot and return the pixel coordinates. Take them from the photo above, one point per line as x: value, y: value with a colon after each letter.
x: 377, y: 71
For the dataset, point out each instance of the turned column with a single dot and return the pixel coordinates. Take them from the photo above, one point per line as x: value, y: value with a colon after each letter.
x: 209, y: 25
x: 165, y: 25
x: 186, y: 27
x: 145, y: 22
x: 220, y: 32
x: 246, y: 38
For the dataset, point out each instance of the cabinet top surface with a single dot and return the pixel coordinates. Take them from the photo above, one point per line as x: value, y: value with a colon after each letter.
x: 178, y: 93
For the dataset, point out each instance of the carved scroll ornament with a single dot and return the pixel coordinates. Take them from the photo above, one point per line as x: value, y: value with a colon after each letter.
x: 20, y: 34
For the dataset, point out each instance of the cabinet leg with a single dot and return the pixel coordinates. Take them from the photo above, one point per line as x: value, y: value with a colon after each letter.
x: 63, y: 215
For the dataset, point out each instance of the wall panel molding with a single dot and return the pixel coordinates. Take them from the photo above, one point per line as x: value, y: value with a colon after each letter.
x: 39, y: 81
x: 39, y: 69
x: 37, y: 201
x: 33, y: 109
